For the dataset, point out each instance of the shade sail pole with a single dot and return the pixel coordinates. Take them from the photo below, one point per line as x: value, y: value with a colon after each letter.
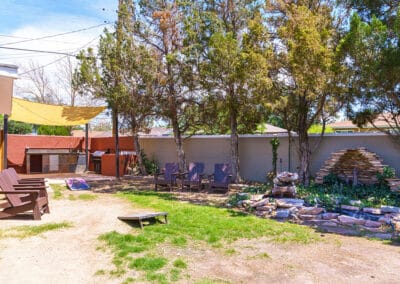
x: 116, y: 144
x: 5, y: 131
x: 86, y: 147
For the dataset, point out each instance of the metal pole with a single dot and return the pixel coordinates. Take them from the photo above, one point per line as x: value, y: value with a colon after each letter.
x: 289, y: 155
x: 5, y: 130
x: 116, y: 146
x: 86, y: 147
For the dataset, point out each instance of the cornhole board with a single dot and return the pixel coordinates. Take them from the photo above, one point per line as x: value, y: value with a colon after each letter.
x: 143, y: 216
x: 77, y: 184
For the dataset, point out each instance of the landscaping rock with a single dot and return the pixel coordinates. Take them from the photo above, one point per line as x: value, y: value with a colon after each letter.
x: 246, y: 203
x: 237, y: 187
x: 382, y: 236
x: 256, y: 197
x: 329, y: 216
x: 396, y: 226
x: 264, y: 208
x: 376, y: 211
x: 307, y: 217
x: 347, y: 220
x: 289, y: 202
x: 371, y: 229
x: 390, y: 209
x: 372, y: 224
x: 355, y: 203
x: 261, y: 202
x: 351, y: 208
x: 384, y: 220
x: 282, y: 213
x: 311, y: 210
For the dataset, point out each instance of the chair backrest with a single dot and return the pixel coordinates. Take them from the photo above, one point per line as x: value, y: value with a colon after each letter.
x: 222, y: 172
x: 12, y: 172
x: 195, y: 171
x: 170, y: 168
x: 5, y: 185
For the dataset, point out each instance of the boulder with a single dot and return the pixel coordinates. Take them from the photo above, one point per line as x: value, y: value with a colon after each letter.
x: 306, y: 217
x: 262, y: 202
x: 351, y: 208
x: 330, y: 216
x: 371, y: 229
x: 282, y: 213
x: 396, y: 226
x: 372, y: 224
x: 265, y: 208
x: 284, y: 190
x: 256, y: 197
x: 384, y: 220
x: 390, y: 209
x: 311, y: 210
x: 347, y: 220
x: 289, y: 202
x: 376, y: 211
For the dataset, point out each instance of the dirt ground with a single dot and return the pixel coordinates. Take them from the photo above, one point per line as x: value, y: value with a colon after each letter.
x: 70, y: 256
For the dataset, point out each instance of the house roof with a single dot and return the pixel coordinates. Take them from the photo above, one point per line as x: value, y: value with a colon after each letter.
x: 380, y: 121
x: 273, y: 129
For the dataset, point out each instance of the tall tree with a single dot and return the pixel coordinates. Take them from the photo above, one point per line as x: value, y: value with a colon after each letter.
x: 163, y: 25
x: 235, y: 67
x: 306, y: 71
x: 122, y: 75
x: 372, y: 51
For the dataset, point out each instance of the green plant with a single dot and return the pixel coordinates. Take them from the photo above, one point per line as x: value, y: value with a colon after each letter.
x: 151, y: 165
x: 30, y: 231
x: 388, y: 172
x: 275, y: 145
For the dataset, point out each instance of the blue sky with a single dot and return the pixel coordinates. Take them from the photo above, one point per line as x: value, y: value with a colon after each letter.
x: 15, y: 14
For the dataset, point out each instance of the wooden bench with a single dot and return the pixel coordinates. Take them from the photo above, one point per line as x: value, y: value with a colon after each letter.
x: 143, y: 216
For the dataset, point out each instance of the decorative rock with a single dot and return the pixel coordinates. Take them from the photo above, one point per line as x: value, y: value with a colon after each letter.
x: 256, y: 197
x: 311, y: 210
x: 264, y: 208
x: 348, y: 207
x: 383, y: 236
x: 329, y: 224
x: 284, y: 190
x: 306, y: 217
x: 289, y: 202
x: 246, y: 203
x: 347, y: 220
x: 293, y: 210
x: 372, y: 224
x: 282, y: 213
x: 260, y: 203
x: 375, y: 230
x: 384, y: 220
x: 237, y: 187
x: 330, y: 216
x: 390, y: 209
x: 375, y: 211
x: 287, y: 177
x: 396, y: 226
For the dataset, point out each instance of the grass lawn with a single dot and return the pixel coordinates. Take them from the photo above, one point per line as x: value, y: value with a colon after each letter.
x: 188, y: 223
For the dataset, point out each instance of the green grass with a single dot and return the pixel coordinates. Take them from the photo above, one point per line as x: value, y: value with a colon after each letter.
x: 30, y: 231
x: 194, y: 223
x: 59, y: 192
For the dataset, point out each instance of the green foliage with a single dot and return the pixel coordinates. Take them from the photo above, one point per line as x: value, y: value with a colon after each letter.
x: 31, y: 231
x: 275, y: 145
x: 388, y: 172
x: 317, y: 129
x: 151, y: 165
x: 53, y: 130
x: 16, y: 127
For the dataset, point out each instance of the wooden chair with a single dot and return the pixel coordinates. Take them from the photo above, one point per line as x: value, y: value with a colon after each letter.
x: 221, y: 178
x: 167, y: 177
x: 192, y: 178
x: 15, y: 177
x: 18, y: 201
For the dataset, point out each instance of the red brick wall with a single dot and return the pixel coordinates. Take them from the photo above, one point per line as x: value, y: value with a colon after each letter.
x: 18, y: 143
x: 104, y: 143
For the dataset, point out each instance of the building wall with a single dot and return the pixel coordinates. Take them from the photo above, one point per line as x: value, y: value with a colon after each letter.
x: 255, y: 151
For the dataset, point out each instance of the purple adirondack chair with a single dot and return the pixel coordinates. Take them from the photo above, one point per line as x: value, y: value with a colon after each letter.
x: 193, y: 178
x: 221, y: 178
x: 167, y: 177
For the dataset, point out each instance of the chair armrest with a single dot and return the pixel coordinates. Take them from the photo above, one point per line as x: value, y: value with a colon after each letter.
x: 20, y: 192
x: 30, y: 186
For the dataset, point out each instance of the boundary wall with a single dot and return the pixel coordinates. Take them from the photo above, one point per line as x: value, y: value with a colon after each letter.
x: 255, y: 151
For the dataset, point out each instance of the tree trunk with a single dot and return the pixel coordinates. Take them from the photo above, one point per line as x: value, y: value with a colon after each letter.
x: 139, y: 156
x: 234, y: 140
x: 304, y: 158
x: 179, y: 147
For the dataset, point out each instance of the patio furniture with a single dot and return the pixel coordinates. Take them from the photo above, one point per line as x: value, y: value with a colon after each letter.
x: 15, y: 177
x: 167, y: 177
x: 22, y: 200
x: 221, y: 178
x: 144, y: 216
x: 192, y: 178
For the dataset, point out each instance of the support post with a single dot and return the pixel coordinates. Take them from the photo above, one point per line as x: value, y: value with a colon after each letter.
x: 5, y: 131
x: 116, y: 145
x: 86, y: 147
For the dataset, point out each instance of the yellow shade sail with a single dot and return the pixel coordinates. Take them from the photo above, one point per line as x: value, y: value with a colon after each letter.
x: 44, y: 114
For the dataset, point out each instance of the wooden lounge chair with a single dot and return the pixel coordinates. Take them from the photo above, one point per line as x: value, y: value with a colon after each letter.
x: 192, y: 178
x: 167, y: 177
x: 18, y: 201
x: 15, y: 177
x: 221, y: 178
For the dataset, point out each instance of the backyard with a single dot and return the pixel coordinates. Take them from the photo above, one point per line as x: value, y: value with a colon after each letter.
x: 82, y: 241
